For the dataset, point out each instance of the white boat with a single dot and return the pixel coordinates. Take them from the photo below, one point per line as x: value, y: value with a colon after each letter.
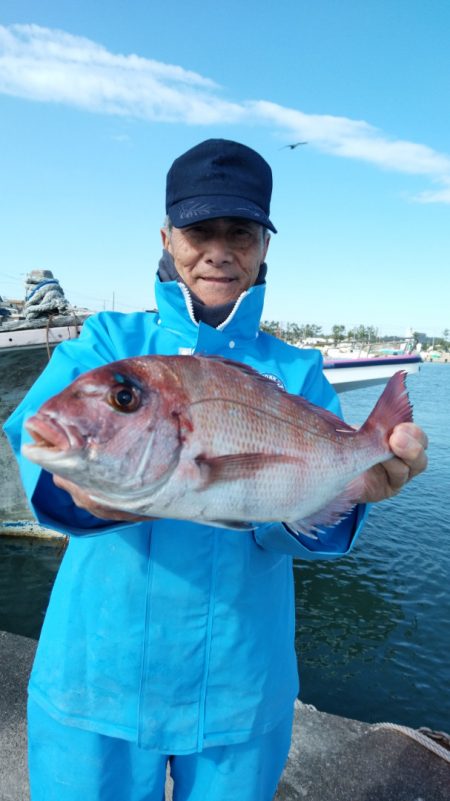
x: 348, y: 374
x: 42, y: 333
x: 43, y: 319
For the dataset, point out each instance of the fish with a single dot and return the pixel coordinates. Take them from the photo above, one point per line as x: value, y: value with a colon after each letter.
x: 210, y: 440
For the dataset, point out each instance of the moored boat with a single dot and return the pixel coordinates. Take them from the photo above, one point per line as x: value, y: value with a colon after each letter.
x: 43, y: 319
x: 348, y: 374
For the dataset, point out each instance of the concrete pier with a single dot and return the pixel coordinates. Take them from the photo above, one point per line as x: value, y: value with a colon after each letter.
x: 331, y: 758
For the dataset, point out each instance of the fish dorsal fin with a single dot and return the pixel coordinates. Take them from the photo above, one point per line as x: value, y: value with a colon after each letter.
x: 244, y: 368
x: 284, y: 406
x: 323, y: 414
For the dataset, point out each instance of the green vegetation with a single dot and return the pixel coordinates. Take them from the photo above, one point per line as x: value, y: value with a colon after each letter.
x: 437, y: 343
x: 291, y: 332
x: 295, y: 333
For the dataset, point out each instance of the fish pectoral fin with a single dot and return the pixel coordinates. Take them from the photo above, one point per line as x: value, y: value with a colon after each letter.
x: 334, y: 512
x: 235, y: 466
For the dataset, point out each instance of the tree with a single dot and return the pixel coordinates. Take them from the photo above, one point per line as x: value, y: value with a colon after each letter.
x: 338, y: 332
x: 294, y: 333
x: 363, y: 333
x: 271, y: 327
x: 371, y: 333
x: 312, y: 330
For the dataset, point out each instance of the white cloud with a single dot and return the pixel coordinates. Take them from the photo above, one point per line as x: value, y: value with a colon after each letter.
x: 435, y: 195
x: 53, y: 66
x: 356, y: 139
x: 50, y: 65
x: 50, y: 46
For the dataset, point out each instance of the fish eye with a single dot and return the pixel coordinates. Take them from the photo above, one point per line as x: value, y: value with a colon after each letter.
x: 124, y: 398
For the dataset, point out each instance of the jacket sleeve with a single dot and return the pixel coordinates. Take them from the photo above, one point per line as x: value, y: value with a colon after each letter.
x: 331, y: 541
x: 53, y: 507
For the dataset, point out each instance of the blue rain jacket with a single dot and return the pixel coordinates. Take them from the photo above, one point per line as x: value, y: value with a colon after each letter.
x: 170, y: 634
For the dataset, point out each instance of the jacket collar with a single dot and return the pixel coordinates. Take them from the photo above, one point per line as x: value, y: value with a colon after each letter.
x: 175, y: 310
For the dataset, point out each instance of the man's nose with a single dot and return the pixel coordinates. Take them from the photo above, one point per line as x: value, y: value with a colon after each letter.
x: 219, y: 251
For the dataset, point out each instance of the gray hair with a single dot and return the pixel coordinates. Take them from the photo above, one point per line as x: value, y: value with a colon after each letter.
x: 167, y: 224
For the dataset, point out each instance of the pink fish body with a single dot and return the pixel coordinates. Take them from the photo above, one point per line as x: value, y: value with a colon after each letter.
x: 206, y: 439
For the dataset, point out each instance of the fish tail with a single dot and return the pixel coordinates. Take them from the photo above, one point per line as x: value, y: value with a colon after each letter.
x: 393, y: 407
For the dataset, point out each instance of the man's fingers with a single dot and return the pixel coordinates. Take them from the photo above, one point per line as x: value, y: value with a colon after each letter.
x: 407, y: 437
x: 79, y: 497
x: 398, y: 473
x: 408, y: 442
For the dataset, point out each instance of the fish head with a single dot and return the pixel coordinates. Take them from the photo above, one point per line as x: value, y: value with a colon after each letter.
x: 118, y: 426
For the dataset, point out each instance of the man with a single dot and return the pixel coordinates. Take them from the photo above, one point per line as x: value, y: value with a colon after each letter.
x: 166, y: 640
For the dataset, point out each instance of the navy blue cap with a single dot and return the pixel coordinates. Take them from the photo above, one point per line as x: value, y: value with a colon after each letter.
x: 219, y: 178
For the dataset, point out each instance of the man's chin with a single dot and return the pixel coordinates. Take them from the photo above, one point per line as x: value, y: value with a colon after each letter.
x: 216, y: 293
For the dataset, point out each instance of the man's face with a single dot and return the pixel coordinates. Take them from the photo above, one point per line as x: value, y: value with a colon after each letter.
x: 218, y: 259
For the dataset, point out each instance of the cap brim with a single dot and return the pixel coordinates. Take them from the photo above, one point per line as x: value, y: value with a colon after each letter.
x: 191, y: 210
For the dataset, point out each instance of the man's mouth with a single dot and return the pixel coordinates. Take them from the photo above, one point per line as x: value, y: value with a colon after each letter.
x: 217, y: 280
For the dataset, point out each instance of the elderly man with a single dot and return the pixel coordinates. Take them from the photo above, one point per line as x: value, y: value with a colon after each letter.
x: 169, y: 641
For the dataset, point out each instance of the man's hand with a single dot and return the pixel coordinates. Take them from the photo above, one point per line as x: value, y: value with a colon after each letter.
x: 82, y: 499
x: 408, y: 443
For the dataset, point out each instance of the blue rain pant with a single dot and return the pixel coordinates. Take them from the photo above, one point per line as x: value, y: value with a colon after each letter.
x: 69, y: 764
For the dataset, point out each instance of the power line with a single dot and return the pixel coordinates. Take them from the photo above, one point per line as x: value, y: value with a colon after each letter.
x: 13, y: 277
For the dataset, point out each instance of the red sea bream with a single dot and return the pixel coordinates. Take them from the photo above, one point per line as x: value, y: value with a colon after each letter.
x: 210, y: 440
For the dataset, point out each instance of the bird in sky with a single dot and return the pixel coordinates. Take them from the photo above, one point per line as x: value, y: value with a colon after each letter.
x: 296, y: 144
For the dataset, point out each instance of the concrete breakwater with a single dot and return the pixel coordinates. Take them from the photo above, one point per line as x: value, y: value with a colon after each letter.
x: 331, y: 758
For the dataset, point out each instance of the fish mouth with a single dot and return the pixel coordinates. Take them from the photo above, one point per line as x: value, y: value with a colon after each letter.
x: 50, y: 435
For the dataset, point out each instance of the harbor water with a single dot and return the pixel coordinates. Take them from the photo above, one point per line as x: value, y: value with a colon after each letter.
x: 372, y: 628
x: 373, y: 634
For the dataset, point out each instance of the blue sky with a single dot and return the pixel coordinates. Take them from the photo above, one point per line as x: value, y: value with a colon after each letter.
x: 97, y: 98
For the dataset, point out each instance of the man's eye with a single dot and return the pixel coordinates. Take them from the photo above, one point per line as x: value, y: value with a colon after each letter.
x: 242, y: 235
x: 197, y: 232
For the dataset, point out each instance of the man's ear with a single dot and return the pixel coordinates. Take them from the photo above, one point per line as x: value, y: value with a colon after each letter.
x: 165, y: 238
